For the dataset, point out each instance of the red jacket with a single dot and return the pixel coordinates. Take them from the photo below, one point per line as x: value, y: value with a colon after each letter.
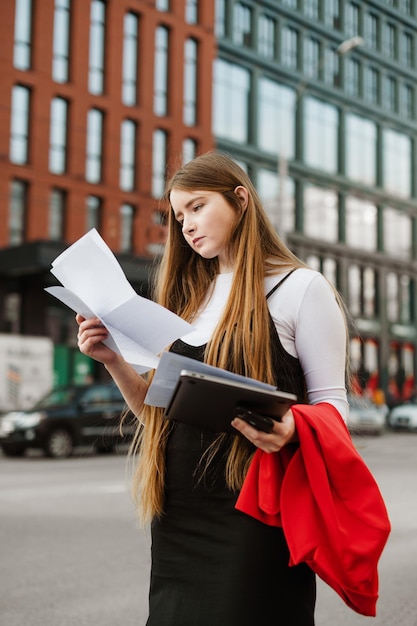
x: 327, y: 502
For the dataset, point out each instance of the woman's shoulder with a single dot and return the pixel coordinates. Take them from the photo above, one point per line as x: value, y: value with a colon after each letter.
x: 299, y: 278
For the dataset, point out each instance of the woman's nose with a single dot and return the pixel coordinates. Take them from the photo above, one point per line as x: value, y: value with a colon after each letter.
x: 188, y: 226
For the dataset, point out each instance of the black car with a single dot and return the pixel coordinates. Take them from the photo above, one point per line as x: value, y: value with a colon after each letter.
x: 68, y: 417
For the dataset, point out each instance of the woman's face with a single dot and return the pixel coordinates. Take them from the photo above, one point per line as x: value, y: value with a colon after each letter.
x: 207, y: 221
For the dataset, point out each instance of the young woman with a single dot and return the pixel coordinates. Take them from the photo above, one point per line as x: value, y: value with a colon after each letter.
x: 258, y: 311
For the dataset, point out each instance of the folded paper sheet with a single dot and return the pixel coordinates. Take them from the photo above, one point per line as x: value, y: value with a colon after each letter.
x: 95, y: 285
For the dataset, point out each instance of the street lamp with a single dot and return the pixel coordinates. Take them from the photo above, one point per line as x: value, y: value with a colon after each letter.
x: 350, y: 44
x: 343, y: 48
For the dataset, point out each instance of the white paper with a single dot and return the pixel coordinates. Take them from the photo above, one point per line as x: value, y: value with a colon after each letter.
x: 169, y: 370
x: 95, y: 285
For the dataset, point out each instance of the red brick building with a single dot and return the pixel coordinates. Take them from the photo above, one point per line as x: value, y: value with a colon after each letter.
x: 98, y: 100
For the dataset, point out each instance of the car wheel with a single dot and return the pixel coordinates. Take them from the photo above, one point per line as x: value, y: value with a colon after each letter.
x: 59, y: 444
x: 11, y: 449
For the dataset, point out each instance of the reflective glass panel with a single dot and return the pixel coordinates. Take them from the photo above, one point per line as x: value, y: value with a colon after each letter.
x: 22, y: 34
x: 361, y: 227
x: 397, y: 229
x: 321, y: 135
x: 19, y: 125
x: 231, y: 101
x: 320, y: 213
x: 276, y: 125
x: 360, y: 142
x: 396, y: 162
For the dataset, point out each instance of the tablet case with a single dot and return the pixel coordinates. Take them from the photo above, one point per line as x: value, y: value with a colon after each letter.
x: 210, y: 401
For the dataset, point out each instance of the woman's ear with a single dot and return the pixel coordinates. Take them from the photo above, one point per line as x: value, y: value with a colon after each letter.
x: 243, y: 195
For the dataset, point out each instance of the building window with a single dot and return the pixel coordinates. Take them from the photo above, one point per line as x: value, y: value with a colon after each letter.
x: 127, y: 213
x: 372, y: 31
x: 352, y: 81
x: 406, y: 300
x: 94, y: 146
x: 389, y: 43
x: 97, y: 43
x: 397, y: 163
x: 397, y: 233
x: 191, y: 11
x: 22, y: 35
x: 407, y: 104
x: 159, y: 162
x: 399, y: 300
x: 391, y: 93
x: 361, y: 149
x: 369, y: 291
x: 56, y: 215
x: 17, y: 211
x: 332, y: 14
x: 311, y: 9
x: 321, y: 135
x: 360, y: 224
x: 332, y: 68
x: 130, y: 59
x: 355, y: 291
x: 406, y: 6
x: 220, y: 19
x: 60, y: 49
x: 190, y: 82
x: 330, y: 271
x: 162, y: 5
x: 289, y: 50
x: 231, y: 101
x: 371, y: 90
x: 242, y: 31
x: 392, y: 297
x: 407, y: 50
x: 189, y: 150
x: 266, y: 36
x: 352, y: 19
x: 58, y: 136
x: 93, y: 212
x: 127, y: 155
x: 321, y: 214
x: 311, y: 57
x: 160, y: 102
x: 19, y: 127
x: 278, y: 198
x: 276, y: 123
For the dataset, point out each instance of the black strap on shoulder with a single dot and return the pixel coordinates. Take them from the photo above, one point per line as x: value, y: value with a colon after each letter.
x: 274, y: 289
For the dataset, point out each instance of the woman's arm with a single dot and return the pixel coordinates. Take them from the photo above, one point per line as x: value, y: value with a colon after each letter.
x: 91, y: 334
x: 320, y: 340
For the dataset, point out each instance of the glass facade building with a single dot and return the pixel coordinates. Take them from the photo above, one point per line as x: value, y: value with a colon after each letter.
x: 317, y: 99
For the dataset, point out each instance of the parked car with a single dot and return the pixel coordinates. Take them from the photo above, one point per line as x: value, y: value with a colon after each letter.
x: 68, y: 417
x: 365, y: 416
x: 404, y: 416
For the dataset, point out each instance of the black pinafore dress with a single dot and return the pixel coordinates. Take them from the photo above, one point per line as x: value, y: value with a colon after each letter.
x: 211, y: 564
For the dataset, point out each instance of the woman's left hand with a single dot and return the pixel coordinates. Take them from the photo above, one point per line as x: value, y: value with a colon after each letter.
x: 283, y: 432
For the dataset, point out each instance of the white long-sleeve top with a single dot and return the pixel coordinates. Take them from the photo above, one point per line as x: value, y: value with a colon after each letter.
x: 309, y: 323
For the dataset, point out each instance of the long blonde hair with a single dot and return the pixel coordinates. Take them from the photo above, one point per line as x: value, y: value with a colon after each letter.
x: 239, y: 340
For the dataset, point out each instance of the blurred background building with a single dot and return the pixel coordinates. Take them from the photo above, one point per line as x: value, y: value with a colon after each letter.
x: 314, y: 98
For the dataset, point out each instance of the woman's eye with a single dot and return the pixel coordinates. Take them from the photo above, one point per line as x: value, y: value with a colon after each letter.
x: 197, y: 206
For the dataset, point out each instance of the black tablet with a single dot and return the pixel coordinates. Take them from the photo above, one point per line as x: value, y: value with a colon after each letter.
x: 210, y: 401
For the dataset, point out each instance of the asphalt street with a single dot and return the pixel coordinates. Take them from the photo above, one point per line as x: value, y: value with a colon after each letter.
x: 72, y: 554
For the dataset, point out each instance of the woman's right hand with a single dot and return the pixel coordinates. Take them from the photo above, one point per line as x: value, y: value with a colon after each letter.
x: 91, y: 334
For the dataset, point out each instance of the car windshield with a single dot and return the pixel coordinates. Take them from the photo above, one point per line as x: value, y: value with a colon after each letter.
x: 359, y: 402
x: 57, y: 397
